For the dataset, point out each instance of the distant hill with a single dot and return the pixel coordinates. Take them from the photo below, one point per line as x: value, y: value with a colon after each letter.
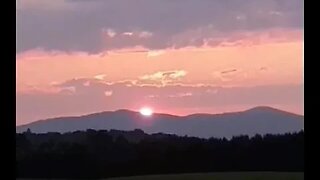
x: 259, y: 120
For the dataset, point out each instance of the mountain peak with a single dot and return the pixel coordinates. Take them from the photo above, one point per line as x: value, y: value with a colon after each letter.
x: 263, y: 109
x: 124, y: 111
x: 270, y: 110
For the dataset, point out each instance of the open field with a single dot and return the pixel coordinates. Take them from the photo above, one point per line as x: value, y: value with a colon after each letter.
x: 221, y: 176
x: 216, y: 176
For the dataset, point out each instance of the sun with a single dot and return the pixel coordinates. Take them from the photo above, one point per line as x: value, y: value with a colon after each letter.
x: 145, y: 111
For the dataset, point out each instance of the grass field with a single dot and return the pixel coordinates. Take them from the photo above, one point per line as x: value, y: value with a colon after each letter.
x: 221, y: 176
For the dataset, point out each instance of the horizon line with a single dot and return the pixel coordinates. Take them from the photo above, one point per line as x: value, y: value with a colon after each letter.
x: 159, y: 113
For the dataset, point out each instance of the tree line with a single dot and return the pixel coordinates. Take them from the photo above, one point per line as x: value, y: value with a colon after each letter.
x: 96, y: 154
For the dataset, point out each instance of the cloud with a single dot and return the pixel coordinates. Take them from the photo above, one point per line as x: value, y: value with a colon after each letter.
x: 100, y: 76
x: 228, y: 71
x: 176, y: 74
x: 152, y: 96
x: 212, y: 91
x: 227, y: 75
x: 83, y: 25
x: 145, y: 34
x: 87, y: 83
x: 203, y: 65
x: 263, y: 69
x: 42, y: 5
x: 155, y: 53
x: 108, y: 93
x: 110, y: 32
x: 276, y: 13
x: 164, y: 77
x: 68, y: 89
x: 241, y: 17
x: 128, y: 33
x: 179, y: 95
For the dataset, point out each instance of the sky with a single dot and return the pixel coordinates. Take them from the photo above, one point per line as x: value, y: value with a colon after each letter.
x: 75, y: 57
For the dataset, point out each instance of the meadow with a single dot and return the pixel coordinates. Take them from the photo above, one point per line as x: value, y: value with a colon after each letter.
x: 222, y: 176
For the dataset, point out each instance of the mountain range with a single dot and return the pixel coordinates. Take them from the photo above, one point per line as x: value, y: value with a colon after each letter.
x: 258, y: 120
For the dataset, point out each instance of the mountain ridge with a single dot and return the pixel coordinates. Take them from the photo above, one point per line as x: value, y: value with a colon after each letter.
x: 261, y: 119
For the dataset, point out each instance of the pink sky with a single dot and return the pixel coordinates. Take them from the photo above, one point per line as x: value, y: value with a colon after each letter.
x: 198, y: 70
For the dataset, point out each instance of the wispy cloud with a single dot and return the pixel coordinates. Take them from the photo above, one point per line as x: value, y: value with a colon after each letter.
x: 180, y: 95
x: 100, y: 76
x: 128, y: 33
x: 227, y: 75
x: 164, y: 77
x: 228, y: 71
x: 68, y: 89
x: 108, y: 93
x: 145, y: 34
x: 109, y: 32
x: 155, y: 53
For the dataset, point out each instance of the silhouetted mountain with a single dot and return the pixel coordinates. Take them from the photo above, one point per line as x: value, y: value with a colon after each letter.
x: 259, y: 120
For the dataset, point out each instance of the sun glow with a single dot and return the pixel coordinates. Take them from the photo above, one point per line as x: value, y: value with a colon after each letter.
x: 145, y: 111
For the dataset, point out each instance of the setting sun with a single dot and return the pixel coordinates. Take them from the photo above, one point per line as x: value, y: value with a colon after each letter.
x: 146, y: 111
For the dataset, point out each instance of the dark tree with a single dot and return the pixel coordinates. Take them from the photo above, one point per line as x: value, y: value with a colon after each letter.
x: 97, y: 154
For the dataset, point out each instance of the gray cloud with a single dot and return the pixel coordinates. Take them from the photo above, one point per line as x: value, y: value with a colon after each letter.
x: 77, y: 25
x: 228, y: 71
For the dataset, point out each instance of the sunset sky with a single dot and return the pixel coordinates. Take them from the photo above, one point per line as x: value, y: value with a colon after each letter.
x: 75, y: 57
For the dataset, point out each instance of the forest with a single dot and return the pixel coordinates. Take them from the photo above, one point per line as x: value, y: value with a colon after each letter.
x: 114, y: 153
